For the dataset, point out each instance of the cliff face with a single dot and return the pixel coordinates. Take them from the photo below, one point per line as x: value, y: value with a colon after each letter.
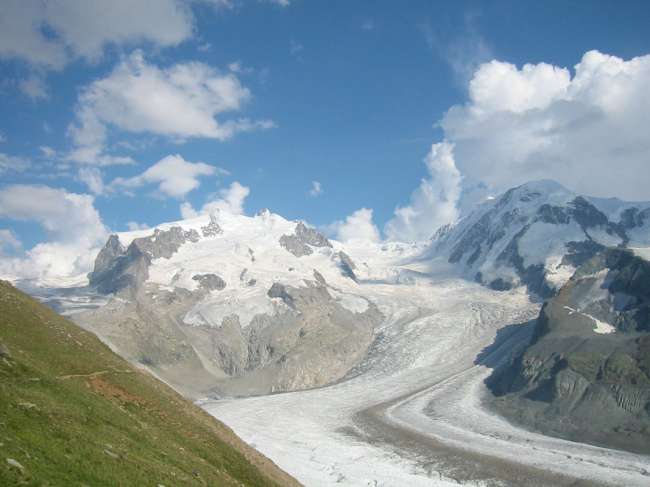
x: 586, y: 374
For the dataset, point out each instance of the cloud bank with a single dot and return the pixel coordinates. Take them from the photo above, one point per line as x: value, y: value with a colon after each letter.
x: 84, y: 29
x: 73, y: 226
x: 174, y: 176
x: 433, y: 203
x: 229, y: 200
x: 181, y: 101
x: 587, y: 130
x: 357, y: 227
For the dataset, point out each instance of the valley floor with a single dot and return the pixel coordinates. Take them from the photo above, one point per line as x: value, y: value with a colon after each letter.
x: 412, y: 414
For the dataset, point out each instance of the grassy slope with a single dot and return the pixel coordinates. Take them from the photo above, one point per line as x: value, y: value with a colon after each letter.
x: 74, y: 413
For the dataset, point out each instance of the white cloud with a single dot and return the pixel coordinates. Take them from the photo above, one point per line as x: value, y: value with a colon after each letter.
x: 92, y: 177
x: 136, y: 226
x: 433, y: 203
x: 21, y: 35
x: 187, y: 210
x: 12, y: 163
x: 34, y: 87
x: 181, y: 101
x: 84, y: 29
x: 589, y: 131
x: 316, y: 189
x: 229, y: 200
x: 73, y: 226
x: 174, y: 176
x: 356, y: 227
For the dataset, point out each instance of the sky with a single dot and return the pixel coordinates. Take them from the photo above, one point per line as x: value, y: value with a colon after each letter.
x: 369, y: 119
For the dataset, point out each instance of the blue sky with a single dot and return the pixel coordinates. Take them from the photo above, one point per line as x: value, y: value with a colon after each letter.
x: 349, y: 94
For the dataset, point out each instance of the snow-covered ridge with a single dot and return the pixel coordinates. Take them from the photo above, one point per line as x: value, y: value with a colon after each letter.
x: 537, y: 234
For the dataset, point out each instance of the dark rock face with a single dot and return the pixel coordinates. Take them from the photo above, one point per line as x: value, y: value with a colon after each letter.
x: 210, y: 282
x: 165, y: 243
x: 300, y: 243
x: 212, y: 229
x: 633, y: 218
x: 281, y: 291
x: 294, y: 245
x: 319, y: 278
x: 126, y: 271
x: 576, y: 382
x: 117, y: 268
x: 347, y: 265
x: 311, y: 236
x: 106, y: 257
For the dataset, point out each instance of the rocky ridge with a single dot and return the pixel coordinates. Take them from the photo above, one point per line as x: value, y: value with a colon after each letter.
x: 537, y: 234
x: 586, y: 374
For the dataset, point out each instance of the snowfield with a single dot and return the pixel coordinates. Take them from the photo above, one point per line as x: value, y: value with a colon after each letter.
x: 411, y: 414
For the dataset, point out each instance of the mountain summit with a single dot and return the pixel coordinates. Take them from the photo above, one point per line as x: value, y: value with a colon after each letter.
x: 537, y: 234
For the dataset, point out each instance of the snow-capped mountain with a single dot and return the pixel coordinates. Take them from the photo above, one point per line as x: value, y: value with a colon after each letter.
x: 537, y: 234
x: 382, y: 343
x: 238, y: 304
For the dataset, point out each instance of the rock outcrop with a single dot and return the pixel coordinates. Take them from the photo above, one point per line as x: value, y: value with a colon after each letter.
x: 210, y: 282
x: 303, y: 239
x: 117, y: 268
x: 586, y: 374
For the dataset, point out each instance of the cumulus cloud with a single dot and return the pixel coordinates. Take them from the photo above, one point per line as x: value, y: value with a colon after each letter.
x: 92, y: 177
x: 358, y: 226
x: 12, y: 163
x: 136, y: 226
x: 229, y: 200
x: 433, y: 203
x: 181, y: 101
x: 587, y: 130
x: 316, y: 189
x: 174, y: 176
x: 84, y: 29
x: 74, y: 228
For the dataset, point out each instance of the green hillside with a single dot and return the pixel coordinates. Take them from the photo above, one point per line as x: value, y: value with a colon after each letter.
x: 74, y: 413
